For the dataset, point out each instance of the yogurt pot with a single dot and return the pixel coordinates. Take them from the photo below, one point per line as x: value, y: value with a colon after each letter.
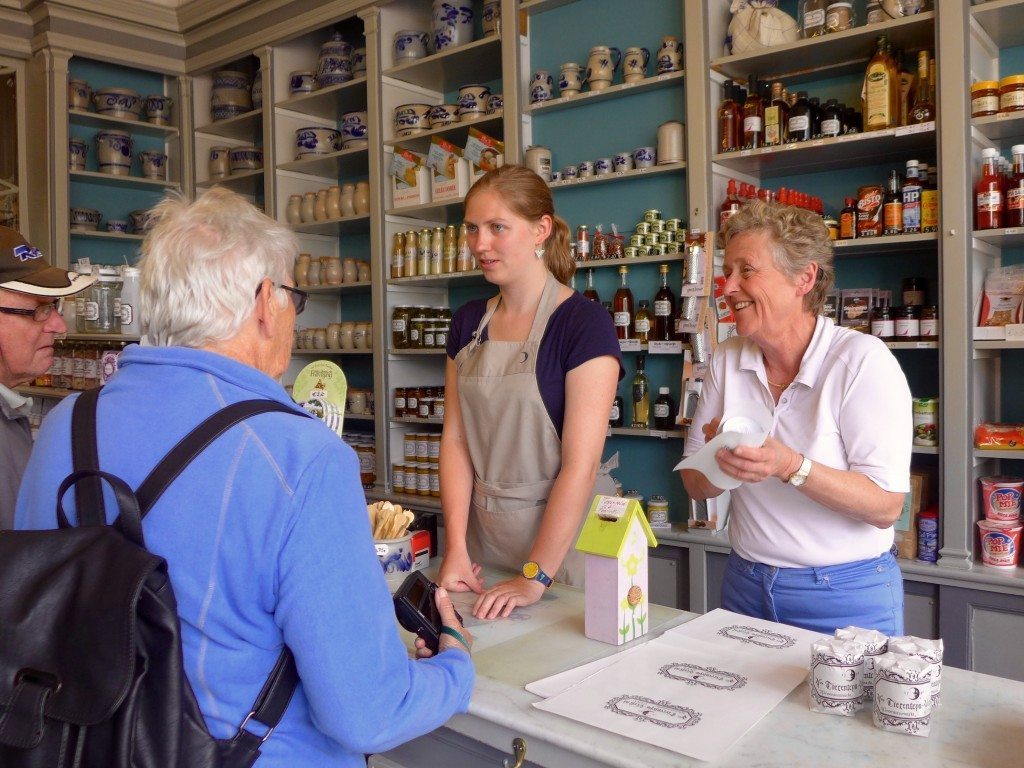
x: 1000, y: 543
x: 1001, y: 496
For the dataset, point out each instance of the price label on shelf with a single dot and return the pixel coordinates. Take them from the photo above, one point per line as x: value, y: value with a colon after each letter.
x: 629, y: 345
x: 849, y: 137
x: 659, y: 433
x: 665, y: 347
x: 1014, y: 332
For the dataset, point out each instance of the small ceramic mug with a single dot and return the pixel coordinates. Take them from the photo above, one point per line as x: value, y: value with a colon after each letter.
x: 585, y: 169
x: 602, y: 166
x: 473, y: 100
x: 540, y: 86
x: 117, y: 225
x: 410, y: 44
x: 154, y: 165
x: 411, y: 118
x: 78, y: 150
x: 495, y: 103
x: 570, y: 81
x: 623, y: 161
x: 158, y: 109
x: 443, y: 114
x: 569, y: 172
x: 301, y: 81
x: 220, y: 162
x: 353, y: 126
x: 644, y: 157
x: 634, y: 64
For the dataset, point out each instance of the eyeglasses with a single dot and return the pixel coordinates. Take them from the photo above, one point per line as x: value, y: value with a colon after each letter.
x: 297, y: 296
x: 40, y: 314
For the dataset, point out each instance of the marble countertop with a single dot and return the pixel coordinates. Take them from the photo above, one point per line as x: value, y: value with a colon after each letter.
x: 979, y: 723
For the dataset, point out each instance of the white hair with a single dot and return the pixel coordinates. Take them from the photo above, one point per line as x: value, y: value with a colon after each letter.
x: 202, y: 264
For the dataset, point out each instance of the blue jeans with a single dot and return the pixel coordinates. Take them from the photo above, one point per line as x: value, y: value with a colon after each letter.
x: 866, y: 593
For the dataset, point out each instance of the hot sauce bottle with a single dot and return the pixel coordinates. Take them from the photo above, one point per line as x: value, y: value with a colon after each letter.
x: 988, y: 192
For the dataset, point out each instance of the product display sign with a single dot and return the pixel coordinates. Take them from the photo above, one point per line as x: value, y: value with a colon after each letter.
x: 321, y: 389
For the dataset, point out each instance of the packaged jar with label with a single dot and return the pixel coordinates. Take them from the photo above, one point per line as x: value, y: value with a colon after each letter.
x: 1011, y: 93
x: 103, y: 315
x: 417, y: 330
x: 367, y: 464
x: 928, y: 535
x: 882, y: 324
x: 409, y: 443
x: 657, y: 512
x: 398, y: 478
x: 399, y: 402
x: 583, y: 243
x: 913, y: 289
x: 984, y: 98
x: 434, y: 477
x: 422, y: 479
x: 926, y: 421
x: 400, y: 320
x: 422, y: 446
x: 412, y: 400
x: 438, y: 412
x: 434, y: 448
x: 908, y: 323
x: 929, y: 323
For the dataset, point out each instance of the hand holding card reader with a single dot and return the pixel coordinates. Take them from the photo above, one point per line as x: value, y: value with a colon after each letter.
x: 416, y: 609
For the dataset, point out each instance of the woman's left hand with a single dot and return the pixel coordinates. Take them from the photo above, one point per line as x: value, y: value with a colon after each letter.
x: 499, y: 600
x: 752, y: 464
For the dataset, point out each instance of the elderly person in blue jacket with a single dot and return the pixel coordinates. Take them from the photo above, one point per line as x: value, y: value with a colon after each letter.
x: 266, y: 534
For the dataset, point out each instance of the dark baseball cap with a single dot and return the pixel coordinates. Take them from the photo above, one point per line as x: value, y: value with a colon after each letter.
x: 24, y: 269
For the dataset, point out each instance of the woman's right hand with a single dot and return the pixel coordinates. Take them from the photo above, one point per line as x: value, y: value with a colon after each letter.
x: 449, y: 620
x: 460, y: 574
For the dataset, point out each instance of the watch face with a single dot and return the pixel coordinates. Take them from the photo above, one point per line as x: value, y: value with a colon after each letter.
x: 530, y: 570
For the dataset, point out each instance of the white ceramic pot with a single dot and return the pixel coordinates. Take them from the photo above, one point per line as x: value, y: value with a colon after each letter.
x: 395, y: 555
x: 410, y: 44
x: 257, y: 90
x: 85, y: 218
x: 78, y: 151
x: 670, y: 55
x: 358, y: 62
x: 570, y: 81
x: 491, y: 18
x: 301, y: 81
x: 347, y: 202
x: 453, y: 23
x: 158, y: 109
x: 334, y: 65
x: 443, y: 114
x: 670, y: 142
x: 634, y: 64
x: 623, y: 161
x: 314, y: 140
x: 353, y: 127
x: 114, y: 152
x: 118, y: 102
x: 644, y: 157
x: 538, y: 160
x: 117, y: 225
x: 361, y: 198
x: 219, y: 162
x: 293, y: 212
x: 495, y: 103
x: 246, y: 159
x: 541, y: 85
x: 411, y: 118
x: 154, y: 165
x: 601, y: 66
x: 140, y: 221
x: 473, y: 100
x: 231, y: 94
x: 79, y: 94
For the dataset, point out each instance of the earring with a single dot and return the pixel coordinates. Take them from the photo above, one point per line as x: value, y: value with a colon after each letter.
x: 539, y: 251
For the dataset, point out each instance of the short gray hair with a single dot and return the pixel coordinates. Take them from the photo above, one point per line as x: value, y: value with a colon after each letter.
x: 799, y: 237
x: 202, y: 263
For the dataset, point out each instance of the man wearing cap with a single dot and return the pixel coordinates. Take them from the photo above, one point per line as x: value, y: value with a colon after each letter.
x: 30, y: 290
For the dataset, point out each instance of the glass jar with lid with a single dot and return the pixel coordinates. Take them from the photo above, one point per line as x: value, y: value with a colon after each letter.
x: 882, y: 324
x: 929, y: 327
x: 1011, y: 93
x: 103, y: 312
x: 984, y: 98
x: 417, y: 332
x: 908, y: 323
x: 400, y: 319
x: 412, y: 400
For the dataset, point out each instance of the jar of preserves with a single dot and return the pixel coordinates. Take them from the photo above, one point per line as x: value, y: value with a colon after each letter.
x: 422, y: 479
x: 400, y: 319
x: 929, y: 327
x: 434, y: 448
x: 882, y: 324
x: 583, y: 243
x: 1011, y: 93
x: 434, y: 477
x: 398, y: 478
x: 399, y: 402
x: 657, y: 512
x: 410, y: 446
x: 412, y: 400
x: 422, y: 446
x: 417, y: 330
x: 984, y: 98
x: 429, y: 336
x: 441, y: 334
x: 438, y: 412
x: 367, y: 454
x: 443, y: 314
x: 908, y: 323
x: 426, y: 404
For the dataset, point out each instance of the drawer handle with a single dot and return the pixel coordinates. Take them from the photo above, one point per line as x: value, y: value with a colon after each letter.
x: 518, y: 753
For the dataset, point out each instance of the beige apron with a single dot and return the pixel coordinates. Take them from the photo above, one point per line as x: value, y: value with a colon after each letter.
x: 515, y: 449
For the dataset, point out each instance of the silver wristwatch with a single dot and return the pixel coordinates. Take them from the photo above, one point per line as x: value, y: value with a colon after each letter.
x: 799, y: 477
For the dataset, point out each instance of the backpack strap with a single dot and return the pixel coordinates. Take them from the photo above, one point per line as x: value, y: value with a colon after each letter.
x: 268, y: 709
x: 85, y: 456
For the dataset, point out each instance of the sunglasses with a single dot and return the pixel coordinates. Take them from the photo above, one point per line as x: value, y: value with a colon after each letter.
x: 297, y: 296
x: 40, y: 314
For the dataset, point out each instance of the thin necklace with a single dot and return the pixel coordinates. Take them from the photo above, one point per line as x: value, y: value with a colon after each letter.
x: 777, y: 386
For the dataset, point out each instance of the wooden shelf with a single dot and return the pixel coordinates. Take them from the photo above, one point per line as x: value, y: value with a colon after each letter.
x: 416, y: 420
x: 116, y: 337
x: 447, y: 210
x: 912, y: 344
x: 101, y: 234
x: 244, y: 182
x: 654, y: 82
x: 838, y: 153
x: 141, y: 127
x: 474, y: 275
x: 600, y: 263
x: 456, y: 133
x: 885, y: 244
x: 980, y: 453
x: 344, y: 162
x: 346, y: 225
x: 331, y: 290
x: 417, y: 352
x: 533, y: 7
x: 636, y: 173
x: 1002, y: 20
x: 131, y: 182
x: 664, y: 434
x: 475, y: 62
x: 329, y: 103
x: 998, y: 344
x: 245, y: 127
x: 830, y: 55
x: 54, y: 392
x: 330, y: 352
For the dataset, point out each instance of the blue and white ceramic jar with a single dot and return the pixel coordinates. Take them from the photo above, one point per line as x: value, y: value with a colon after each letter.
x: 154, y: 165
x: 491, y: 17
x: 79, y: 94
x: 358, y: 62
x: 257, y: 90
x: 670, y: 55
x: 495, y: 103
x: 541, y: 85
x: 411, y: 118
x: 314, y: 140
x: 354, y: 129
x: 570, y: 81
x: 114, y: 152
x: 441, y: 115
x: 473, y: 100
x: 334, y: 65
x: 158, y: 109
x: 301, y: 81
x: 231, y: 94
x: 78, y: 151
x: 634, y: 64
x: 118, y: 102
x: 410, y: 44
x: 453, y: 23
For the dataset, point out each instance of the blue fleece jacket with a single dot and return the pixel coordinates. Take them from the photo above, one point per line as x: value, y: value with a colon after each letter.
x: 268, y: 543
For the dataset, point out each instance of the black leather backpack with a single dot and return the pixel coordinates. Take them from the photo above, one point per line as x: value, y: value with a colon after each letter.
x: 91, y: 670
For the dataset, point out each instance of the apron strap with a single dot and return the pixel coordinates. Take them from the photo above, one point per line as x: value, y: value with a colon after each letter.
x: 547, y: 305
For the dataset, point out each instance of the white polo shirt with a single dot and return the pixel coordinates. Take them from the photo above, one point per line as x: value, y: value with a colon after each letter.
x: 849, y: 408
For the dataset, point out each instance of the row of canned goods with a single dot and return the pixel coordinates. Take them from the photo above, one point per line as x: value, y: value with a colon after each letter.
x: 420, y: 327
x: 424, y: 447
x: 416, y: 478
x: 419, y: 402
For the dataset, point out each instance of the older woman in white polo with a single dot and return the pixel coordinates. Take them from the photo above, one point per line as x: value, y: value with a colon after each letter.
x: 811, y: 522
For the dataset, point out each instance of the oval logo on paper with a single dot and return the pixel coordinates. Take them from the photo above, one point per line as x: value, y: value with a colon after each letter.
x: 998, y: 543
x: 1006, y: 498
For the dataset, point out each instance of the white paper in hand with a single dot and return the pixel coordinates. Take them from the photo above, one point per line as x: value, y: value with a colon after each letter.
x: 746, y: 423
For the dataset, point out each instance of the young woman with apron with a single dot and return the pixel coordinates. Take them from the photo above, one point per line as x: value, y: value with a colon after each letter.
x: 518, y: 472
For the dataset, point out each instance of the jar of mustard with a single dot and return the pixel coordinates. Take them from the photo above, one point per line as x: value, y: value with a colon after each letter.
x: 984, y: 98
x: 1011, y: 93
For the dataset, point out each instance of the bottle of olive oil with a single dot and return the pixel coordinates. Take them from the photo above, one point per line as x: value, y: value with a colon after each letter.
x: 880, y: 90
x: 641, y: 396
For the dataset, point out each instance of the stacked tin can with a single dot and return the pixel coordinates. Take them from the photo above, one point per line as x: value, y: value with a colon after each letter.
x: 655, y: 236
x: 418, y: 474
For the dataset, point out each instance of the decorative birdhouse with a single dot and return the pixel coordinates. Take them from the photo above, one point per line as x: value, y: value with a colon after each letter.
x: 614, y: 540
